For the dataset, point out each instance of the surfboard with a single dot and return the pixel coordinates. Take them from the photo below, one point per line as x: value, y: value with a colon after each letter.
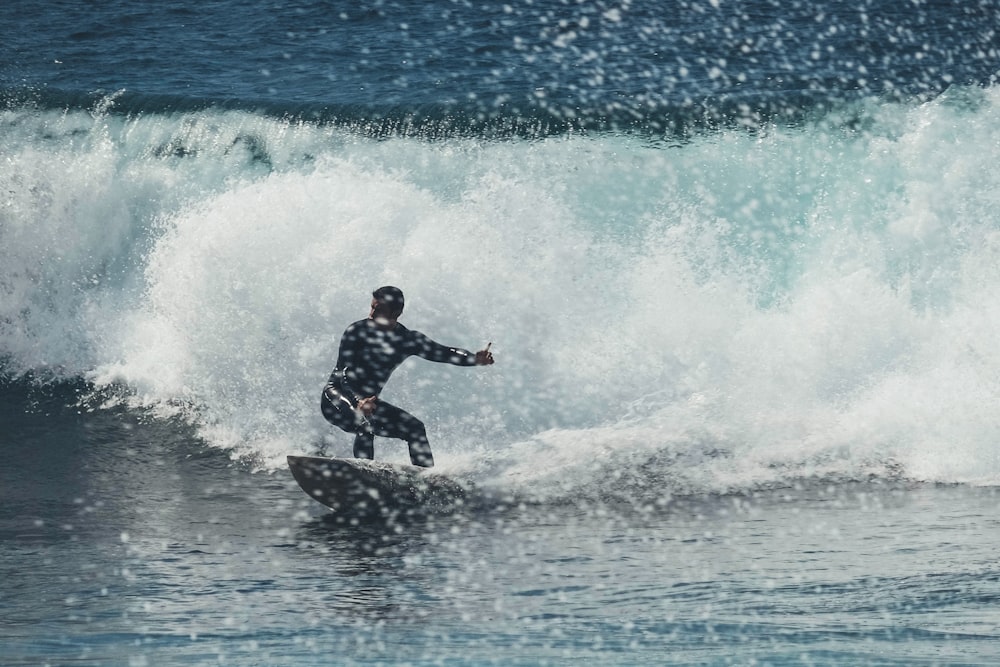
x: 363, y: 487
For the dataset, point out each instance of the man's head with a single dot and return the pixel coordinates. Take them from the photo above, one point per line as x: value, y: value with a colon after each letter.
x: 387, y: 302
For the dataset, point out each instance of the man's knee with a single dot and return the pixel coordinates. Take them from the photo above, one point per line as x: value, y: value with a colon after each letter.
x: 339, y: 413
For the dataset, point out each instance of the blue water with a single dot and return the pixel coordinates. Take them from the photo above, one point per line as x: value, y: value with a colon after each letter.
x: 738, y: 262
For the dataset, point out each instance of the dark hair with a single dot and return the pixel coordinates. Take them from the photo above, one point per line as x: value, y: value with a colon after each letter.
x: 390, y: 299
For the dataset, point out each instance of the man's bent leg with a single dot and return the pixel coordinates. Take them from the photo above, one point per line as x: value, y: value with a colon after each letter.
x: 391, y: 422
x: 338, y: 411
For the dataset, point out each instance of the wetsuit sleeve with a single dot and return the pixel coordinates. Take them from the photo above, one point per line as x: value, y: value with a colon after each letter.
x: 430, y: 350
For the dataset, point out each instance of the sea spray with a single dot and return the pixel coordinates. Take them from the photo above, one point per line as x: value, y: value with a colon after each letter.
x: 743, y: 309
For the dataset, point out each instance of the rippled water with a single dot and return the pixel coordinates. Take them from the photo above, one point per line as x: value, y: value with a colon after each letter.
x: 177, y: 556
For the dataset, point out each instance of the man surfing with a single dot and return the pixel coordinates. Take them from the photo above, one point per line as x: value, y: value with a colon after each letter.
x: 370, y: 350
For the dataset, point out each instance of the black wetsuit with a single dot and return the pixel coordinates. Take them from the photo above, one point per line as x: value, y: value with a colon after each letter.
x: 368, y: 356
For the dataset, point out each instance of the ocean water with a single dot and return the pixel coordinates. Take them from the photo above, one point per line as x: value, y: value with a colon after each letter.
x: 738, y: 262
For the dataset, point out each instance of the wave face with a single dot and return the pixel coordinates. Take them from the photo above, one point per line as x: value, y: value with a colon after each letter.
x: 738, y: 310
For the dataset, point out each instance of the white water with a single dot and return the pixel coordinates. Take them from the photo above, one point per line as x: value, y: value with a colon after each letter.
x: 740, y: 310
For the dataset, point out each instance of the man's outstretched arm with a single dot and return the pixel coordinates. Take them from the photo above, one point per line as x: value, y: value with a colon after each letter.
x: 433, y: 351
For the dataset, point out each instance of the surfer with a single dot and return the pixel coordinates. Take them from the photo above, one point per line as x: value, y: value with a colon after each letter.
x: 370, y: 350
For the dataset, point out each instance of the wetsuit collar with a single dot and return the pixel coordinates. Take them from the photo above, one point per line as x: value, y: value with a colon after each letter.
x: 384, y: 323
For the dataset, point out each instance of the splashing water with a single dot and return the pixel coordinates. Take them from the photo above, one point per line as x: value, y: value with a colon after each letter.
x: 745, y: 308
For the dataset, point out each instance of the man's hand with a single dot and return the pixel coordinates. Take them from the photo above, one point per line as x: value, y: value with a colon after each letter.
x: 484, y: 357
x: 367, y: 405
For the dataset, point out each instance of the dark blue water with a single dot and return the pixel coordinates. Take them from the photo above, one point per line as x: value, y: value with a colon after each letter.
x: 738, y: 262
x: 651, y: 66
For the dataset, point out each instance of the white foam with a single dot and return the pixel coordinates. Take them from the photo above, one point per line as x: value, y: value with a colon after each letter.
x: 739, y: 310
